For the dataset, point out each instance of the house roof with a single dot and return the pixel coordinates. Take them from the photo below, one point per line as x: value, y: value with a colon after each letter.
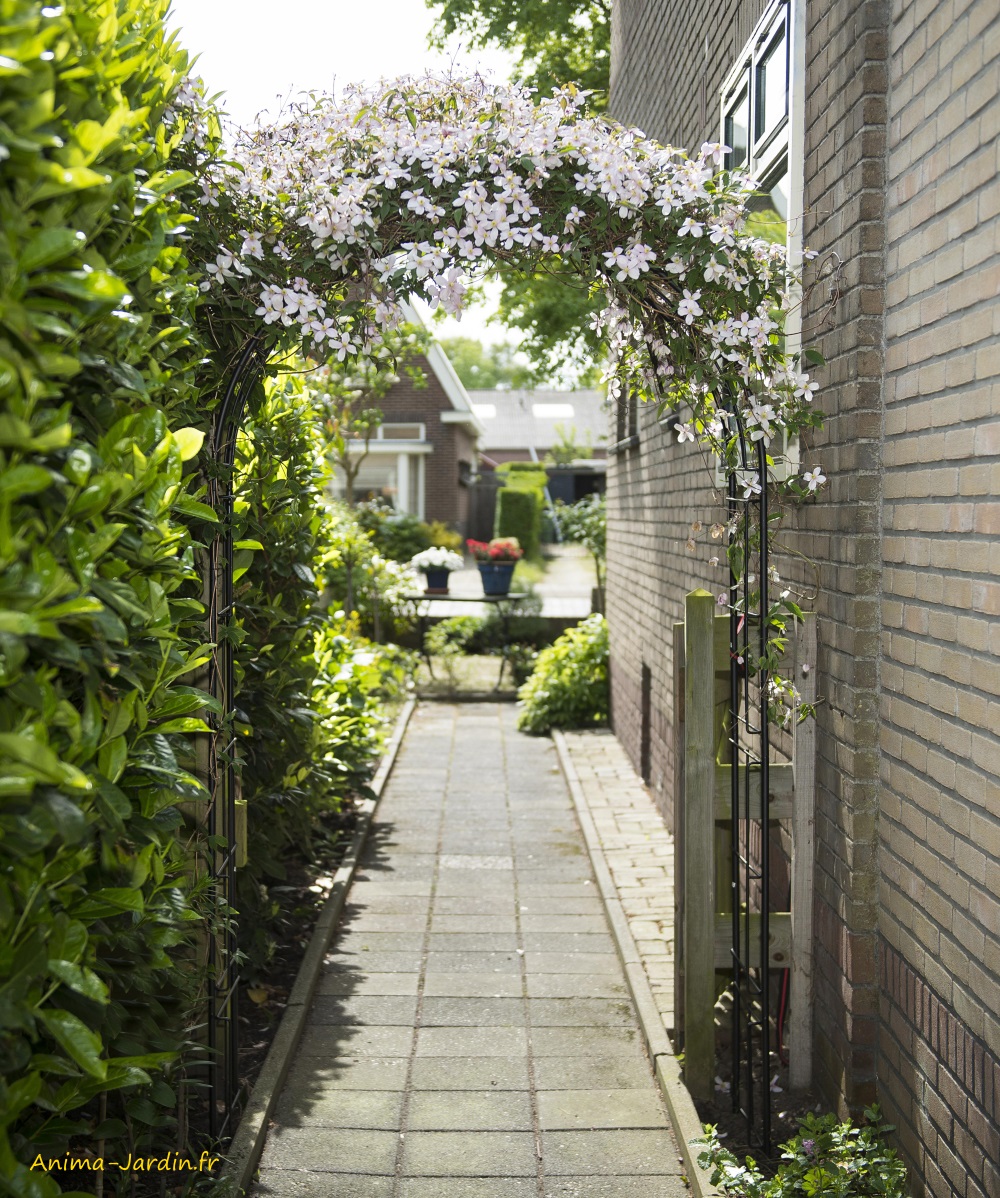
x: 529, y: 419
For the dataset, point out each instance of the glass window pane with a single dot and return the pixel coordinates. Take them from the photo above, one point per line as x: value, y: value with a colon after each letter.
x: 737, y: 131
x: 772, y: 87
x: 768, y: 209
x: 402, y: 432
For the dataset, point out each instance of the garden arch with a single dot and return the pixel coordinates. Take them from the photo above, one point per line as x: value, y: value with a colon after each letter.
x: 345, y: 208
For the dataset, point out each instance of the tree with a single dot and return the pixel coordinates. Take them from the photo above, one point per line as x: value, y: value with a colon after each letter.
x: 349, y: 393
x: 586, y: 523
x: 559, y: 42
x: 485, y: 368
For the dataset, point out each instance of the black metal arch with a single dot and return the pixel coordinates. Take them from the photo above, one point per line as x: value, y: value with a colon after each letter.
x: 224, y: 1082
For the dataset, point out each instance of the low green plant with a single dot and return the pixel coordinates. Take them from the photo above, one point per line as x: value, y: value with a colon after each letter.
x: 568, y: 687
x: 396, y: 535
x: 444, y: 537
x: 826, y: 1159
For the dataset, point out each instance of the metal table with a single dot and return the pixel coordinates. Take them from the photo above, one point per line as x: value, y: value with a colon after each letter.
x: 506, y: 605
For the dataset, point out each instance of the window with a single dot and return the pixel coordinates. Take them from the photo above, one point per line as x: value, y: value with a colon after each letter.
x: 401, y: 432
x: 762, y: 113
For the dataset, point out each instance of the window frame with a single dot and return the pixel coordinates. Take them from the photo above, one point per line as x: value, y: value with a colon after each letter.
x: 773, y: 152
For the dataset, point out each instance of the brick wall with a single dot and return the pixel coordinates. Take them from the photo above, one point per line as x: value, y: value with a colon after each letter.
x: 444, y: 497
x: 939, y: 820
x: 902, y: 119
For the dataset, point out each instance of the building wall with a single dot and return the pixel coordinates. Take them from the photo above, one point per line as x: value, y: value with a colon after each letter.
x: 939, y: 821
x: 900, y: 185
x: 445, y: 498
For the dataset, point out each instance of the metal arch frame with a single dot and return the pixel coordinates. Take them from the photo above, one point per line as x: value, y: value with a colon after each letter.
x: 749, y: 749
x: 225, y: 1092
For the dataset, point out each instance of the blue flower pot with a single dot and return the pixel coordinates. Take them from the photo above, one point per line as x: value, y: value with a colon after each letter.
x: 496, y: 577
x: 437, y: 582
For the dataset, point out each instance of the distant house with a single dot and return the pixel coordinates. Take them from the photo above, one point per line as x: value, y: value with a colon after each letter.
x: 525, y: 426
x: 423, y: 456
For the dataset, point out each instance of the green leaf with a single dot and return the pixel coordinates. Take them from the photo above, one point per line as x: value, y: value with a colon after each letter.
x: 84, y: 981
x: 76, y: 1039
x: 51, y: 245
x: 187, y: 724
x: 189, y: 441
x: 199, y: 511
x: 97, y: 286
x: 43, y: 761
x: 111, y: 758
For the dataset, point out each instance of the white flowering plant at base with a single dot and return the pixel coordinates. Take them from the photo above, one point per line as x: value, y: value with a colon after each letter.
x: 437, y: 558
x: 326, y: 221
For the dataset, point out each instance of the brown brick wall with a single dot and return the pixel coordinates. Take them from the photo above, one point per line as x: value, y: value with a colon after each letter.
x: 444, y: 497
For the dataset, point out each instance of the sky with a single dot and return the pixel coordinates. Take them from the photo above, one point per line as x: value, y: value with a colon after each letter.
x: 262, y: 52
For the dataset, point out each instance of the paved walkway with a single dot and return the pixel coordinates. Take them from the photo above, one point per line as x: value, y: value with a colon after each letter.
x: 638, y: 849
x: 473, y: 1036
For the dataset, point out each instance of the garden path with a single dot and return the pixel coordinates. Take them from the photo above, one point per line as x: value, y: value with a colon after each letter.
x: 473, y: 1035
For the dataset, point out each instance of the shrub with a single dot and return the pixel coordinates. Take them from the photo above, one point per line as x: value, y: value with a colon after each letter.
x: 443, y: 536
x: 519, y: 514
x: 586, y: 523
x: 396, y: 535
x: 827, y: 1157
x: 569, y: 685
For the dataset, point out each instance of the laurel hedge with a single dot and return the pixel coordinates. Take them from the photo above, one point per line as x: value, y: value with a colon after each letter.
x: 106, y: 382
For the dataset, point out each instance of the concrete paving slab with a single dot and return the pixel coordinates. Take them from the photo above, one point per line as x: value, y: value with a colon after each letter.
x: 314, y: 1106
x: 469, y: 1073
x: 671, y: 1186
x: 592, y: 1153
x: 586, y: 1041
x: 365, y: 1009
x: 347, y: 982
x: 466, y: 1187
x: 577, y: 1012
x: 617, y: 1072
x: 332, y: 1150
x: 587, y: 963
x: 503, y: 924
x: 560, y: 1110
x: 349, y: 1073
x: 469, y: 1153
x: 495, y: 984
x: 284, y: 1183
x: 326, y: 1041
x: 440, y: 962
x: 573, y: 985
x: 568, y: 942
x: 472, y: 1012
x: 472, y: 1041
x: 470, y: 1110
x: 474, y: 942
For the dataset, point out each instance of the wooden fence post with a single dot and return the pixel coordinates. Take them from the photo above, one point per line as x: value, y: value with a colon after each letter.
x: 803, y: 863
x: 699, y: 839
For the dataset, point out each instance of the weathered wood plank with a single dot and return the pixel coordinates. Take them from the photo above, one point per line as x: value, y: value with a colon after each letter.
x: 803, y: 865
x: 678, y: 826
x: 779, y: 941
x: 780, y: 777
x: 698, y: 845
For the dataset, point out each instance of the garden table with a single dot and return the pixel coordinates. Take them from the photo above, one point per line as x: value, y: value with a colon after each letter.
x: 506, y: 606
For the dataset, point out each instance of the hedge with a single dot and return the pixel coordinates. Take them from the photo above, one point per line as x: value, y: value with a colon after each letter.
x: 519, y: 514
x: 107, y: 381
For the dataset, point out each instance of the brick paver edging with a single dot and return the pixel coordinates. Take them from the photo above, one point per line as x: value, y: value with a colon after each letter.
x: 680, y: 1107
x: 248, y: 1143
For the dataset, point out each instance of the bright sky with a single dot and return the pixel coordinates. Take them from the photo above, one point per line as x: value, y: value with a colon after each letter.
x: 262, y: 52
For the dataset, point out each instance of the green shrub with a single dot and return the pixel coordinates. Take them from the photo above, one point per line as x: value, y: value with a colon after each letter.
x: 396, y: 535
x: 569, y: 685
x: 519, y: 514
x: 444, y: 537
x: 101, y: 622
x: 827, y: 1158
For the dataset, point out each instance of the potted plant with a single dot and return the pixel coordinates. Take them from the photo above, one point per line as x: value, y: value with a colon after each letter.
x: 436, y: 563
x: 496, y: 560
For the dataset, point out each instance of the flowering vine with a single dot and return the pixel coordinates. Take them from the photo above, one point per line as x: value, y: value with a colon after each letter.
x: 326, y: 222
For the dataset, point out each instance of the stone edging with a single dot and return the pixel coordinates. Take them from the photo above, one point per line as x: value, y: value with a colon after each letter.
x: 680, y: 1107
x: 248, y: 1143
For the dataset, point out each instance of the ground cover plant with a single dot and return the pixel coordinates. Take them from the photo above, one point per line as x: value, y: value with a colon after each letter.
x: 828, y: 1158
